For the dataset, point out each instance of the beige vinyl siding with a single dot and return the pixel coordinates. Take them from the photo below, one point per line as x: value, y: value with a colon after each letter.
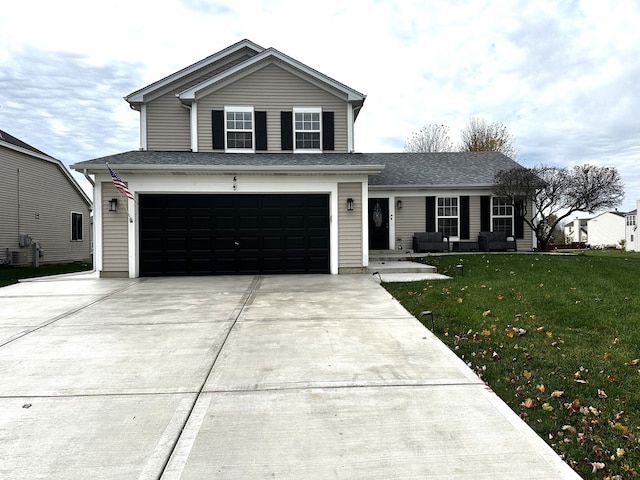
x: 168, y: 126
x: 349, y: 228
x: 474, y: 218
x: 410, y: 218
x: 37, y: 201
x: 273, y: 89
x: 168, y: 121
x: 115, y: 245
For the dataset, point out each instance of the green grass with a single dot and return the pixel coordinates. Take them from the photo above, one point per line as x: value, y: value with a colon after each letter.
x: 556, y: 337
x: 10, y: 275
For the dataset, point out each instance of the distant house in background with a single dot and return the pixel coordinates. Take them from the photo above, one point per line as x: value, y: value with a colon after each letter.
x: 44, y: 213
x: 576, y: 231
x: 606, y: 230
x: 632, y: 243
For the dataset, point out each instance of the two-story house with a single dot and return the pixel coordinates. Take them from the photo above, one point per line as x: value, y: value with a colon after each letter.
x: 44, y: 213
x: 247, y: 165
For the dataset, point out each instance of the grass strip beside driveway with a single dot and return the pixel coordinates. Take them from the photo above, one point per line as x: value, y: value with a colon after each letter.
x: 556, y: 337
x: 11, y: 275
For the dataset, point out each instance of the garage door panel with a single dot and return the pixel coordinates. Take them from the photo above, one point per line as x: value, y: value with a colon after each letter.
x: 186, y: 234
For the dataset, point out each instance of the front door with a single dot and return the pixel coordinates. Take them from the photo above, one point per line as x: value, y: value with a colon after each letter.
x: 379, y: 223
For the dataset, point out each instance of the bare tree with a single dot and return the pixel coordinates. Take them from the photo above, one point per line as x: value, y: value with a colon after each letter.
x: 480, y: 136
x: 544, y: 196
x: 430, y: 138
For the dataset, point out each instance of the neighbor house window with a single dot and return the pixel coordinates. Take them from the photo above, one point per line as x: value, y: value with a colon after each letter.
x: 76, y: 226
x: 307, y: 129
x: 631, y: 220
x: 239, y: 129
x: 448, y: 216
x: 502, y: 214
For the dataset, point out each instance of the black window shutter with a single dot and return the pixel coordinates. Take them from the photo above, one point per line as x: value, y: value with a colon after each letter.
x: 519, y: 221
x: 464, y: 218
x: 286, y: 130
x: 485, y: 213
x: 261, y: 130
x: 327, y: 131
x: 431, y: 214
x: 217, y: 126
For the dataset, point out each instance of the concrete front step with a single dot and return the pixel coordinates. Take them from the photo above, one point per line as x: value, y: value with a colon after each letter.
x: 400, y: 267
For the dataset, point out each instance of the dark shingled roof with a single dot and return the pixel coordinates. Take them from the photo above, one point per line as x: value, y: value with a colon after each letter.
x: 401, y: 169
x: 5, y: 137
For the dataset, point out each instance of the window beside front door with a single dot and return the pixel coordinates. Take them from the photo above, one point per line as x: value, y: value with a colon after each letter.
x: 502, y: 215
x: 448, y: 216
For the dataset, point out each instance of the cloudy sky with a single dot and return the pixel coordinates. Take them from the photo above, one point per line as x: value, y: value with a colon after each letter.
x: 563, y: 75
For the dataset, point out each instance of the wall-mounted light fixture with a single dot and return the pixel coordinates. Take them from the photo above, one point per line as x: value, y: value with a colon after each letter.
x: 113, y: 205
x: 349, y: 204
x: 399, y: 204
x: 235, y: 182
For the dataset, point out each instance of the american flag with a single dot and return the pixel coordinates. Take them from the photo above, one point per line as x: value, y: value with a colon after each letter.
x: 120, y: 185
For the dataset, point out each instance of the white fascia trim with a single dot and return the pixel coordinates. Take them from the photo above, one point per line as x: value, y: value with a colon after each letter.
x: 138, y: 96
x: 350, y: 122
x: 352, y: 95
x: 230, y: 169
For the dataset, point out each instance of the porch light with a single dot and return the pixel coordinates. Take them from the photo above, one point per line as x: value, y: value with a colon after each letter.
x: 113, y: 205
x: 399, y: 205
x: 349, y: 204
x: 429, y: 312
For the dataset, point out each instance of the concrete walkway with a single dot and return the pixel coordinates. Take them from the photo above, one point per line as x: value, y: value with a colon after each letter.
x: 279, y: 377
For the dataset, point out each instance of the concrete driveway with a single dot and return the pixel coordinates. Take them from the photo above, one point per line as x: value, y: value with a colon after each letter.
x: 278, y: 377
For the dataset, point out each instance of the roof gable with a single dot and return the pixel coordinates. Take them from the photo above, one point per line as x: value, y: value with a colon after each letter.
x: 272, y: 55
x: 192, y: 70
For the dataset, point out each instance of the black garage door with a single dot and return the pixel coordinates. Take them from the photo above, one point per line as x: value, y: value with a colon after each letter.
x: 197, y: 234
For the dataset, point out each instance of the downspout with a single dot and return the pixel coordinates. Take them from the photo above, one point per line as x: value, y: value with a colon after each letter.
x: 89, y: 179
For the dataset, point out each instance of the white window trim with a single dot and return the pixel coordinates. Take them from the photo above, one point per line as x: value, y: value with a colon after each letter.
x: 457, y: 217
x: 240, y: 108
x: 81, y: 239
x: 317, y: 110
x: 512, y: 216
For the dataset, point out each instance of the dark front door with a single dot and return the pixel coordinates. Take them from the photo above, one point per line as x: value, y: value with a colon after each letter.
x: 379, y: 223
x: 198, y: 234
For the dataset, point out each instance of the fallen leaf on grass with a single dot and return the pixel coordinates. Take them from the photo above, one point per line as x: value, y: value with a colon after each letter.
x: 619, y: 427
x: 459, y: 300
x: 540, y: 388
x: 526, y: 374
x: 606, y: 355
x: 547, y: 407
x: 500, y: 297
x: 620, y: 452
x: 486, y: 333
x: 611, y: 378
x: 557, y: 393
x: 602, y: 394
x: 633, y: 363
x: 575, y: 405
x: 595, y: 466
x: 486, y: 313
x: 528, y: 403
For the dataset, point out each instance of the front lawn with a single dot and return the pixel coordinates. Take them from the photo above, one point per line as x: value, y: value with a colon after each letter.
x: 9, y: 275
x: 556, y: 337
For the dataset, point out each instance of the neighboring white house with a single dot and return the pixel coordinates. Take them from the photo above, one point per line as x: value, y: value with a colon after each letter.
x: 632, y: 242
x: 606, y: 230
x: 576, y: 231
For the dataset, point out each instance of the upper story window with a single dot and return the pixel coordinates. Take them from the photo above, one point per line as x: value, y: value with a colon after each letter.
x: 307, y: 129
x: 502, y: 213
x: 447, y: 214
x: 76, y: 227
x: 631, y: 220
x: 239, y: 125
